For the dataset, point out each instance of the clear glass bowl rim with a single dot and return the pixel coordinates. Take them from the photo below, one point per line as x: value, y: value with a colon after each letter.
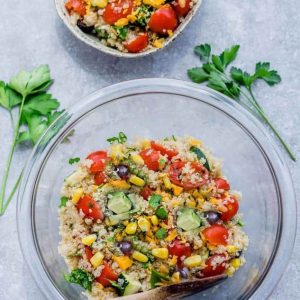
x: 286, y: 233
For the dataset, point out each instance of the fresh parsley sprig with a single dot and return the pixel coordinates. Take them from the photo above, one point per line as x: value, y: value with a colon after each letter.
x: 37, y: 109
x: 237, y: 84
x: 121, y: 138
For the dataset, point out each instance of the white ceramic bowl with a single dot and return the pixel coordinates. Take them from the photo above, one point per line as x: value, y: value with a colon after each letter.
x: 95, y: 42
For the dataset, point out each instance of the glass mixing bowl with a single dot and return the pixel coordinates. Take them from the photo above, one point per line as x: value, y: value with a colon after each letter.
x: 156, y: 108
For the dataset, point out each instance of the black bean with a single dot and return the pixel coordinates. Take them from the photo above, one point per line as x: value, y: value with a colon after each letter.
x: 212, y: 217
x: 85, y: 28
x: 184, y: 273
x: 122, y: 171
x: 125, y: 247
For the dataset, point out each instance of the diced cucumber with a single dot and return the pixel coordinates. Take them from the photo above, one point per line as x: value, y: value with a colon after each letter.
x: 201, y: 156
x: 187, y: 219
x: 119, y: 203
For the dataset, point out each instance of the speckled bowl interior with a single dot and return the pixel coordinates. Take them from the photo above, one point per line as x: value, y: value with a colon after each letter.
x: 95, y: 42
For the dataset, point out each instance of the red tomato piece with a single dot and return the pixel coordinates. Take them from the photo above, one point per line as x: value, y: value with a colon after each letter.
x: 99, y: 159
x: 117, y: 10
x: 100, y: 178
x: 216, y: 235
x: 88, y: 253
x: 90, y: 208
x: 163, y: 19
x: 78, y: 6
x: 146, y: 192
x: 222, y: 184
x: 151, y: 158
x: 176, y: 171
x: 181, y: 7
x: 164, y: 151
x: 215, y: 265
x: 180, y: 249
x: 137, y: 44
x: 232, y: 206
x: 107, y: 275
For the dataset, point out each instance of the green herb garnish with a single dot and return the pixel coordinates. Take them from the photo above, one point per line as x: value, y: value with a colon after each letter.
x: 74, y: 160
x: 121, y: 138
x: 81, y: 278
x: 155, y: 200
x: 156, y: 278
x: 236, y: 84
x: 121, y: 32
x: 201, y: 157
x: 37, y: 109
x: 240, y: 223
x: 63, y: 202
x: 143, y: 14
x: 162, y: 213
x: 161, y: 233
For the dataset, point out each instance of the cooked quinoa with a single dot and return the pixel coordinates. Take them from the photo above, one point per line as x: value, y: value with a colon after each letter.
x: 146, y: 214
x: 129, y: 25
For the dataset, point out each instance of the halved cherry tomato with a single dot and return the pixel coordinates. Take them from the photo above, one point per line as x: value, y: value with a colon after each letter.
x: 99, y: 159
x: 78, y: 6
x: 164, y: 151
x: 215, y: 265
x: 100, y: 178
x: 107, y: 275
x: 88, y: 253
x: 232, y: 206
x: 117, y: 10
x: 137, y: 44
x: 180, y: 249
x: 163, y: 19
x: 216, y: 235
x: 222, y: 184
x: 90, y: 208
x: 151, y: 158
x: 176, y: 171
x: 181, y: 7
x: 146, y: 192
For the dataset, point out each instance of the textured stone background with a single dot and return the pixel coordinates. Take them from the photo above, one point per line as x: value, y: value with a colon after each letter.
x: 32, y: 34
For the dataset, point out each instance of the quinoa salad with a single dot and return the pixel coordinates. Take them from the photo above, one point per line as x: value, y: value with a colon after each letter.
x: 146, y: 214
x: 129, y: 25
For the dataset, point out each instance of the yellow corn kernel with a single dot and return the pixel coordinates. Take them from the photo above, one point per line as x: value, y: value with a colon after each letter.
x: 177, y: 190
x: 167, y: 182
x: 191, y: 203
x: 118, y: 237
x: 124, y: 262
x: 131, y: 18
x: 175, y: 277
x: 172, y: 235
x: 193, y: 261
x: 230, y: 271
x: 211, y: 247
x: 162, y: 253
x: 214, y: 200
x: 144, y: 224
x: 94, y: 187
x: 139, y: 256
x: 120, y: 184
x: 173, y: 260
x: 196, y: 194
x: 116, y: 151
x: 137, y: 159
x: 131, y: 228
x: 204, y: 193
x: 170, y: 32
x: 154, y: 220
x: 175, y: 203
x: 136, y: 180
x: 231, y: 249
x: 99, y: 3
x: 163, y: 269
x: 89, y: 239
x: 97, y: 259
x: 154, y: 3
x: 194, y: 142
x: 236, y: 263
x: 125, y: 223
x: 150, y: 234
x: 77, y: 195
x: 122, y: 22
x: 158, y: 43
x: 149, y: 239
x: 145, y: 144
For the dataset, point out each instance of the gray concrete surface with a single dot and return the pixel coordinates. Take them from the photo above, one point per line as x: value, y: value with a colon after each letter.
x: 31, y: 34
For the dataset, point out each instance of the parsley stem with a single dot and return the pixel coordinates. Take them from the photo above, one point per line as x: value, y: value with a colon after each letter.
x: 9, y: 159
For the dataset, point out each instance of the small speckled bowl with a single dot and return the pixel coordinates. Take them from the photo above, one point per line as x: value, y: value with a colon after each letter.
x: 95, y: 42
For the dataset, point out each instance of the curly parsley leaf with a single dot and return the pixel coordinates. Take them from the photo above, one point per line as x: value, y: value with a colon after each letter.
x: 203, y: 51
x: 74, y: 160
x: 8, y: 97
x: 198, y: 75
x: 121, y: 138
x: 262, y: 71
x: 155, y: 200
x: 81, y: 278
